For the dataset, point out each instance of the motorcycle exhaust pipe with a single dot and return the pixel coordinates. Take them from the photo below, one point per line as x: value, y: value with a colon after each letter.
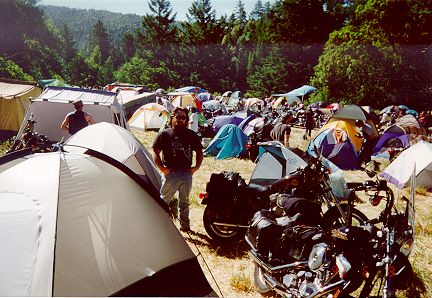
x: 327, y: 289
x: 229, y: 225
x: 276, y: 269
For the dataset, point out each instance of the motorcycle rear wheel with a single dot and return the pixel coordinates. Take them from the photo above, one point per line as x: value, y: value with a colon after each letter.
x: 260, y: 283
x: 221, y: 233
x: 333, y: 219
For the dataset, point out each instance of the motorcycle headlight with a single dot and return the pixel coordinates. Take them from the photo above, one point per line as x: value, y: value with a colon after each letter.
x: 318, y: 256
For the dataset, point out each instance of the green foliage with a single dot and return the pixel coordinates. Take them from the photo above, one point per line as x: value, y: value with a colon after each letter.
x: 159, y: 26
x: 81, y: 22
x: 9, y: 70
x: 100, y: 38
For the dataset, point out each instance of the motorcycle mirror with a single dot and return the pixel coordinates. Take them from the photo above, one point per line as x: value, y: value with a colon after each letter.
x: 372, y: 168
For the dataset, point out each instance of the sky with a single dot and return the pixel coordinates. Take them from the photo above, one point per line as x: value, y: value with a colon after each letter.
x: 140, y: 7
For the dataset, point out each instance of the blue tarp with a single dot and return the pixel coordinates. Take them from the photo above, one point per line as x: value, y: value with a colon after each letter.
x: 230, y: 141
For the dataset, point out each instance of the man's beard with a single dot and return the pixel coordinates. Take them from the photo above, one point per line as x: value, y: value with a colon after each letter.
x: 180, y: 125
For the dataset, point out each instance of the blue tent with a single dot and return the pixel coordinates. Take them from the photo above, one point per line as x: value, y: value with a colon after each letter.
x: 230, y: 141
x: 193, y: 89
x: 335, y: 145
x: 393, y: 137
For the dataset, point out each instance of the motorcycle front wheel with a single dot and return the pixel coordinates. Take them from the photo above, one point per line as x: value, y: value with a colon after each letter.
x: 333, y: 219
x: 260, y: 283
x: 221, y: 233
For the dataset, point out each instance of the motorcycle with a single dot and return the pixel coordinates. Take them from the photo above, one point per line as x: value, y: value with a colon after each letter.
x: 231, y: 203
x: 295, y: 257
x: 30, y: 139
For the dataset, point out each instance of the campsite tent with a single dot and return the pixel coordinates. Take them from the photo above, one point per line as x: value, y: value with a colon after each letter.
x: 289, y: 99
x: 318, y: 105
x: 149, y: 116
x: 118, y: 143
x: 392, y: 137
x: 121, y: 86
x: 351, y: 113
x: 412, y: 126
x: 14, y: 102
x: 191, y: 89
x: 230, y: 141
x: 274, y: 162
x: 418, y: 157
x: 348, y: 128
x: 85, y: 225
x: 335, y: 145
x: 52, y: 106
x: 204, y: 97
x: 235, y: 98
x: 52, y: 82
x: 253, y: 101
x: 131, y: 99
x: 184, y: 99
x: 235, y: 119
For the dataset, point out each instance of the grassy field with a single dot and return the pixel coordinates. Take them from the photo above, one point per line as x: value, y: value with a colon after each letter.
x: 228, y: 268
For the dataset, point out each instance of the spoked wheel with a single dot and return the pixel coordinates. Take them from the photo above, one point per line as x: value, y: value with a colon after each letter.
x: 333, y: 219
x: 260, y: 283
x: 219, y: 232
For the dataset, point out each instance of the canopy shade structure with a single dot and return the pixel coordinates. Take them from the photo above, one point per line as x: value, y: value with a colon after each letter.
x: 302, y: 91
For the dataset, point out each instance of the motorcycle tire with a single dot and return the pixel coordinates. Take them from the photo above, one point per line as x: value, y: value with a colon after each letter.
x: 260, y: 283
x: 224, y: 234
x: 333, y: 219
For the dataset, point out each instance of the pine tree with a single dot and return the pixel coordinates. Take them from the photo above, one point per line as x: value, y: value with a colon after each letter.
x: 159, y: 26
x: 100, y: 38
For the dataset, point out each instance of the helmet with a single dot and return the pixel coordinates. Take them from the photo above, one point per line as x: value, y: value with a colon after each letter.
x: 359, y: 122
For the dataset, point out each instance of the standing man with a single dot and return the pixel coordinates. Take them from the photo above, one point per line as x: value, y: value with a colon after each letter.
x: 281, y: 131
x: 177, y: 144
x: 193, y: 120
x: 367, y: 133
x: 309, y: 123
x: 77, y: 120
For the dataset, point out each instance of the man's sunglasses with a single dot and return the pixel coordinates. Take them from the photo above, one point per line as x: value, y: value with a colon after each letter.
x: 179, y: 117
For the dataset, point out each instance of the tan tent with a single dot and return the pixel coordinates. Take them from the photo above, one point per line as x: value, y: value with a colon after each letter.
x: 14, y: 101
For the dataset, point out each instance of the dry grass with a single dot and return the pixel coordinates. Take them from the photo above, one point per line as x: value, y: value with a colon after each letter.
x: 228, y: 268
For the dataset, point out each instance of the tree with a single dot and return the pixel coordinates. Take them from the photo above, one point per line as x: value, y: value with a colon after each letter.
x: 159, y: 26
x: 9, y: 70
x: 202, y: 26
x: 69, y: 50
x: 378, y: 58
x: 100, y: 38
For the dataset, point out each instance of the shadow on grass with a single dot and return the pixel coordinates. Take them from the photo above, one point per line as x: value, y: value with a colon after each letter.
x: 416, y: 286
x: 230, y: 250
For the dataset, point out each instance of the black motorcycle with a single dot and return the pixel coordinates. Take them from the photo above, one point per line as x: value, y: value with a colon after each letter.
x: 295, y: 257
x: 30, y: 139
x: 231, y: 203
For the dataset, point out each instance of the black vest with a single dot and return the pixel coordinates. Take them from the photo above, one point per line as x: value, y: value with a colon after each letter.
x: 77, y: 121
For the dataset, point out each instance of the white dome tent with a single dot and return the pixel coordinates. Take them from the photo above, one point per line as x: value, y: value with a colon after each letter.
x: 85, y: 225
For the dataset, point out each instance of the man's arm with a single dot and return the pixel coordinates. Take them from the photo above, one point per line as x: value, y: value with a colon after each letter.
x: 65, y: 123
x: 199, y: 158
x: 89, y: 118
x: 158, y: 161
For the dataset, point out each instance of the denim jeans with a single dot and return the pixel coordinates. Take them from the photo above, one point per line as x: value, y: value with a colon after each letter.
x: 180, y: 180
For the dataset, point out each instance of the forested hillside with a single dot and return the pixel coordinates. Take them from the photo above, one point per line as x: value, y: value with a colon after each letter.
x: 81, y: 23
x: 367, y: 52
